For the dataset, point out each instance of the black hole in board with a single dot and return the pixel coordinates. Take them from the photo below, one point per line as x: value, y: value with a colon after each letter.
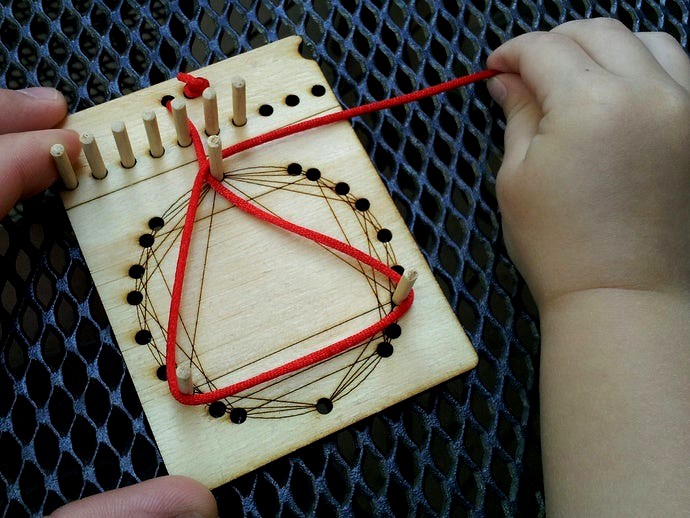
x: 135, y: 298
x: 324, y: 405
x: 294, y: 169
x: 146, y: 240
x: 161, y: 374
x: 318, y: 90
x: 238, y: 415
x: 156, y: 223
x: 397, y: 268
x: 313, y: 174
x: 216, y: 409
x: 136, y: 271
x: 384, y: 235
x: 362, y: 205
x: 342, y: 188
x: 166, y: 99
x: 393, y: 331
x: 384, y: 349
x: 143, y: 337
x: 266, y: 110
x: 292, y: 100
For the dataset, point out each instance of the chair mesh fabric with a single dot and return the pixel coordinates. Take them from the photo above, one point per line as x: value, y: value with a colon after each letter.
x: 71, y: 424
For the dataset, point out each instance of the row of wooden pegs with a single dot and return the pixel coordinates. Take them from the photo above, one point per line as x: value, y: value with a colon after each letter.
x: 180, y: 120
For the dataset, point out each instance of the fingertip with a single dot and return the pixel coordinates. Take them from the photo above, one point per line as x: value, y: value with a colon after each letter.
x: 495, y: 60
x: 506, y: 58
x: 193, y: 495
x: 70, y: 139
x: 161, y: 497
x: 512, y: 93
x: 26, y: 167
x: 34, y: 108
x: 497, y: 89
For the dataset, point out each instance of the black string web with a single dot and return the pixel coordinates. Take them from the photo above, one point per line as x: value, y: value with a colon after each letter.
x: 315, y: 388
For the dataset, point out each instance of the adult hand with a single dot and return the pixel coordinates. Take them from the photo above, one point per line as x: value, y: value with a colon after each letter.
x: 158, y: 498
x: 26, y: 166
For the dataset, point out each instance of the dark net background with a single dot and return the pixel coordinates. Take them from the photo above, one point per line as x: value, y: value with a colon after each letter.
x: 70, y: 421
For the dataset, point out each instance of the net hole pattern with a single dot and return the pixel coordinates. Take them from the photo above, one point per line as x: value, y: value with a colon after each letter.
x: 70, y: 422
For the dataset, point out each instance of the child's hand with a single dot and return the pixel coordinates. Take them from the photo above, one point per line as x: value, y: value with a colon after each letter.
x: 595, y: 185
x: 26, y: 166
x: 595, y: 195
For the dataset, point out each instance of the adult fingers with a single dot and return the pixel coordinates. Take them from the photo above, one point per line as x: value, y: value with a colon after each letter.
x: 523, y: 115
x: 670, y: 55
x: 611, y: 45
x: 161, y: 497
x: 26, y: 166
x: 548, y: 63
x: 30, y: 109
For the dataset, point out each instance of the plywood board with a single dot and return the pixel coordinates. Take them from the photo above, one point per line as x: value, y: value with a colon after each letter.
x: 256, y: 296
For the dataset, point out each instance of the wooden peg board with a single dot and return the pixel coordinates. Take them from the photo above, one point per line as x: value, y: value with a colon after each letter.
x: 256, y: 296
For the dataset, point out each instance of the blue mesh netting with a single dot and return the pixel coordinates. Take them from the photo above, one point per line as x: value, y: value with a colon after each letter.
x: 70, y: 422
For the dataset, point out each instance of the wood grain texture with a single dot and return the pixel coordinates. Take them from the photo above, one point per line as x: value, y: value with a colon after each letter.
x: 256, y: 296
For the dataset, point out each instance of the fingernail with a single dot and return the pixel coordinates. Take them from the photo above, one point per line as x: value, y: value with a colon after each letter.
x: 497, y: 90
x: 42, y: 93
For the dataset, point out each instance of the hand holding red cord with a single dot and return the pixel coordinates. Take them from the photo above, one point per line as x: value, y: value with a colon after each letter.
x: 594, y: 191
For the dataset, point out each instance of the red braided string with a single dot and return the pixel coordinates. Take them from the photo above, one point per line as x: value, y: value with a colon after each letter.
x: 193, y: 86
x: 203, y: 176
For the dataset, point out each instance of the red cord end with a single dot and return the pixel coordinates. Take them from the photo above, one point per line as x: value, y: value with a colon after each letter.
x: 193, y: 86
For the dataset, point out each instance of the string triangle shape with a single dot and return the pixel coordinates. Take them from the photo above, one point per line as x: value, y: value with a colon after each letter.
x: 204, y: 178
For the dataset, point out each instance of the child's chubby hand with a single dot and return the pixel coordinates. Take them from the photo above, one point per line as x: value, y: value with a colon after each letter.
x: 595, y: 185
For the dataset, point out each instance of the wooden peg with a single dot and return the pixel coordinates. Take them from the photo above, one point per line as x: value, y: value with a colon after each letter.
x: 153, y: 134
x: 402, y: 290
x: 239, y: 101
x: 211, y: 111
x: 215, y: 157
x: 124, y: 147
x: 64, y: 166
x: 179, y: 113
x: 184, y: 379
x: 93, y: 156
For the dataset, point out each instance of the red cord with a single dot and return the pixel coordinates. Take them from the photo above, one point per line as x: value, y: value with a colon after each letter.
x: 194, y: 86
x: 203, y: 176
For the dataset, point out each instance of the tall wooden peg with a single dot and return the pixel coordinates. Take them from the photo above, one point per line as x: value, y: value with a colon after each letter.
x: 153, y: 134
x: 179, y: 113
x: 211, y: 111
x: 184, y: 379
x: 124, y: 147
x: 402, y: 290
x: 215, y: 157
x: 93, y: 156
x: 239, y: 101
x: 64, y: 166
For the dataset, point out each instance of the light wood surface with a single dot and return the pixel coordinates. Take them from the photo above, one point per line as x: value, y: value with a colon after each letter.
x: 256, y: 296
x: 64, y: 167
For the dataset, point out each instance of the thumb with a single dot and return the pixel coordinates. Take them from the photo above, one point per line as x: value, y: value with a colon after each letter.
x: 26, y: 166
x: 158, y: 498
x: 523, y: 115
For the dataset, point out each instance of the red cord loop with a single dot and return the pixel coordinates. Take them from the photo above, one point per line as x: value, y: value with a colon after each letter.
x: 203, y: 177
x: 193, y: 86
